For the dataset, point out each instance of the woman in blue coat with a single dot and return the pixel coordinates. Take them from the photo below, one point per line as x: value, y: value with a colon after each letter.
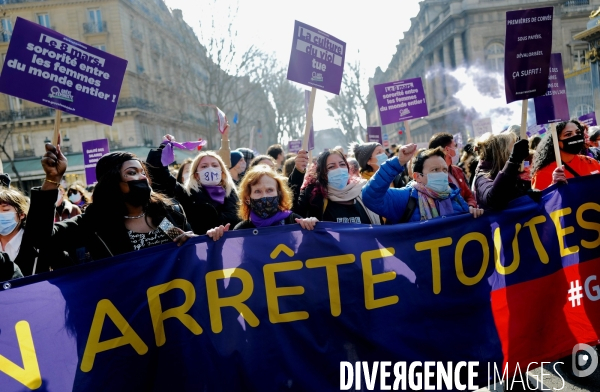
x: 428, y: 196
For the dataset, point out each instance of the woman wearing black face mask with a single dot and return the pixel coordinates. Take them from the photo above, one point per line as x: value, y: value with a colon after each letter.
x: 126, y: 214
x: 571, y: 142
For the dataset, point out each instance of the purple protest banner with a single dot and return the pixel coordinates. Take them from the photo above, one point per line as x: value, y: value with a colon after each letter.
x: 588, y: 119
x: 311, y: 136
x: 374, y: 135
x: 295, y: 146
x: 317, y: 59
x: 401, y: 100
x: 533, y: 130
x: 93, y: 150
x: 527, y: 50
x: 553, y: 107
x: 53, y: 70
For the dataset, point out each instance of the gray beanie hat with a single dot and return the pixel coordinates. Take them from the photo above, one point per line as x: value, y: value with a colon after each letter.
x: 363, y: 152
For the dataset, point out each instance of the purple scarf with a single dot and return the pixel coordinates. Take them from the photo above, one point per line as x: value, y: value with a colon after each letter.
x: 215, y: 192
x: 265, y: 222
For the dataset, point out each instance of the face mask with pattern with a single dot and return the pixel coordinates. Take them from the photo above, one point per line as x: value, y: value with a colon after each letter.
x: 265, y: 207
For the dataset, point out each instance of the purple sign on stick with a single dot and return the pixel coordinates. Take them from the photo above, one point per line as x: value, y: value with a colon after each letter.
x: 527, y: 53
x: 553, y: 107
x: 374, y: 135
x: 294, y: 146
x: 93, y: 150
x: 311, y: 135
x: 401, y: 100
x: 588, y: 119
x: 535, y: 130
x: 317, y: 59
x: 53, y: 70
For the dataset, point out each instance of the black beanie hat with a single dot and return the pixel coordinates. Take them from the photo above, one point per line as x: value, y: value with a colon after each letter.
x: 363, y: 152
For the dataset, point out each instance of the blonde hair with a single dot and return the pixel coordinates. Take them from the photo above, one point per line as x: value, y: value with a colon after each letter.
x: 193, y: 184
x: 16, y: 199
x: 495, y: 150
x: 252, y: 177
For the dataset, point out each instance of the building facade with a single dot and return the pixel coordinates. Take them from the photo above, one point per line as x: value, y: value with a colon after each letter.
x: 160, y: 92
x: 449, y: 34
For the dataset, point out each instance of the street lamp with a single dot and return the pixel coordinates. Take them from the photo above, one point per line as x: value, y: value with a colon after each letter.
x: 47, y: 140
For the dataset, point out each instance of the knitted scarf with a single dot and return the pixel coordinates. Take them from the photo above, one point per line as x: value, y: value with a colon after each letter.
x: 352, y: 191
x: 431, y: 203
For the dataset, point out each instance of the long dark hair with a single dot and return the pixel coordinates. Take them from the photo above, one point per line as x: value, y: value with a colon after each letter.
x: 544, y: 154
x: 316, y: 176
x: 109, y: 201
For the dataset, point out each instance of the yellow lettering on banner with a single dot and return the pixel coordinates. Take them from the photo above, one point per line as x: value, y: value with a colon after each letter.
x: 28, y: 375
x: 273, y: 292
x: 509, y: 269
x: 370, y: 279
x: 535, y: 237
x: 593, y: 226
x: 562, y: 232
x: 215, y: 303
x: 333, y: 284
x: 458, y: 258
x: 434, y: 246
x: 180, y: 312
x: 95, y: 346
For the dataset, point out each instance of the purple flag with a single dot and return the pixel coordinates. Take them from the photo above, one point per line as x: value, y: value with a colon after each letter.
x: 93, y: 150
x: 588, y: 119
x: 374, y: 135
x: 294, y: 146
x: 401, y: 100
x: 168, y: 156
x: 527, y: 53
x: 317, y: 59
x: 311, y: 136
x: 553, y: 107
x: 53, y: 70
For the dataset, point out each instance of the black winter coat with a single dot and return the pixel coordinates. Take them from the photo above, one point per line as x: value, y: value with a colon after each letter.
x: 202, y: 212
x: 102, y: 239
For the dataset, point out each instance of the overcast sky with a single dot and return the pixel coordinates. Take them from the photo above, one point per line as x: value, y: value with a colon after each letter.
x: 373, y: 27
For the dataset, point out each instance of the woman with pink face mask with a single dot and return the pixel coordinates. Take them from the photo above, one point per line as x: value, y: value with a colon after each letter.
x: 209, y: 197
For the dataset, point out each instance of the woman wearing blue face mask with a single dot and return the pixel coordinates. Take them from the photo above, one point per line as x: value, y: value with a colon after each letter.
x: 428, y: 196
x: 330, y: 194
x: 370, y: 157
x: 13, y: 212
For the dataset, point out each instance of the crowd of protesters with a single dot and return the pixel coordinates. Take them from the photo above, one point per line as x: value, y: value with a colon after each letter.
x: 139, y: 203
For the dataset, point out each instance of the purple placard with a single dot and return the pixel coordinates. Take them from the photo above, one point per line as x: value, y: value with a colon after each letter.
x: 317, y: 59
x: 92, y: 152
x: 401, y: 100
x: 53, y: 70
x: 311, y: 135
x: 588, y: 119
x: 527, y: 53
x: 553, y: 107
x: 374, y: 135
x: 294, y: 146
x: 533, y: 130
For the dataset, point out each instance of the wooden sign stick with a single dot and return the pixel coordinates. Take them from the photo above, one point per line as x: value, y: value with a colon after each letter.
x: 56, y: 136
x: 407, y: 130
x: 555, y: 142
x: 524, y: 124
x: 309, y: 118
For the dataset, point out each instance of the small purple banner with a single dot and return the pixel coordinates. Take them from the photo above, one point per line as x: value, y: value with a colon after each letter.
x: 294, y: 146
x: 553, y: 107
x: 317, y: 59
x: 527, y: 50
x: 374, y: 135
x: 311, y: 136
x: 53, y: 70
x: 401, y: 100
x: 93, y: 150
x: 588, y: 119
x: 533, y: 130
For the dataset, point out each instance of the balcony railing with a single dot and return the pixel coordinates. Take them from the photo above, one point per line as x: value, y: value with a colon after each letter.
x: 66, y: 149
x: 24, y: 153
x: 25, y: 114
x: 575, y: 3
x: 94, y: 27
x: 5, y: 37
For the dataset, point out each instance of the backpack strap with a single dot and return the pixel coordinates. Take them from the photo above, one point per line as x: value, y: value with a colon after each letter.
x: 410, y: 209
x: 570, y: 169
